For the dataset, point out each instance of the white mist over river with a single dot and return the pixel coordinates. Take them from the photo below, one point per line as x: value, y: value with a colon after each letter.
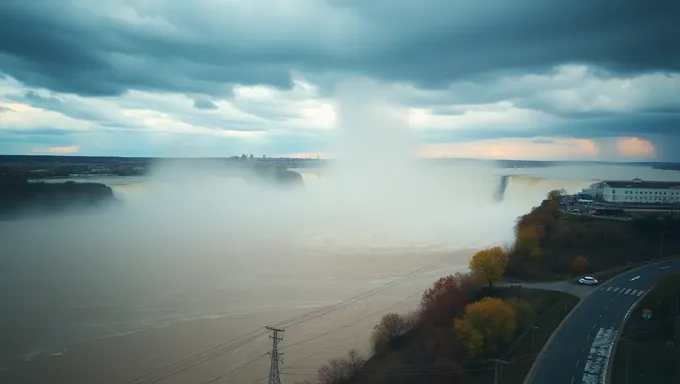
x: 192, y: 260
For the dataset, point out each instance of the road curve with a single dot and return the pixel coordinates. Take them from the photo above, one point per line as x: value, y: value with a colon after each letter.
x: 565, y: 286
x: 579, y: 350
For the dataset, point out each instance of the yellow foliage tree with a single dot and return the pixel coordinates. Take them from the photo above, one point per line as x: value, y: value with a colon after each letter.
x: 470, y: 337
x: 494, y: 319
x: 580, y: 264
x: 488, y: 265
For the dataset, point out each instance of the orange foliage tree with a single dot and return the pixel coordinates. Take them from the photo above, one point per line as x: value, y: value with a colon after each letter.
x: 488, y: 265
x: 494, y: 319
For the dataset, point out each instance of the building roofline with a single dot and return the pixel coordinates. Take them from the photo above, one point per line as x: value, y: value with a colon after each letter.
x: 640, y: 184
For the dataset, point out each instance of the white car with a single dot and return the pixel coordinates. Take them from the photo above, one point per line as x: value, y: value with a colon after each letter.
x: 587, y: 280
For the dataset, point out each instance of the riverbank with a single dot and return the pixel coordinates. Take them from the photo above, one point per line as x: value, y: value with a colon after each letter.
x: 21, y: 198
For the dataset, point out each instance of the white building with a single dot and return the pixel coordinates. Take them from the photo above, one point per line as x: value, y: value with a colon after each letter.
x: 641, y: 192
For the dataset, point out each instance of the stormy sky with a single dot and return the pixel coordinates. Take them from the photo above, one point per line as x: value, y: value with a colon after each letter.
x: 528, y: 79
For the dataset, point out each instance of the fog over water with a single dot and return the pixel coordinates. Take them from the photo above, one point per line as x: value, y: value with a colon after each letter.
x: 191, y: 247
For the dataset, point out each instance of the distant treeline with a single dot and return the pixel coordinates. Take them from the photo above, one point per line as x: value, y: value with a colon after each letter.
x: 18, y: 196
x: 49, y: 167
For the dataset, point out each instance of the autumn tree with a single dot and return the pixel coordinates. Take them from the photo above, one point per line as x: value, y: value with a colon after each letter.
x: 338, y: 371
x: 580, y: 264
x: 446, y: 299
x: 469, y: 336
x: 388, y: 331
x: 524, y: 311
x: 494, y: 319
x: 556, y: 194
x: 539, y: 220
x: 527, y: 240
x: 354, y: 362
x: 488, y: 265
x: 335, y: 371
x: 535, y: 254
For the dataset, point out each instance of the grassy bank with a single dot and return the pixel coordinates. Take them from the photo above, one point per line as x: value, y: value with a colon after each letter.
x: 649, y: 350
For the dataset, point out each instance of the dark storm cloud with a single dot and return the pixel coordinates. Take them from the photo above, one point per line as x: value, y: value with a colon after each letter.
x: 486, y: 37
x: 50, y: 44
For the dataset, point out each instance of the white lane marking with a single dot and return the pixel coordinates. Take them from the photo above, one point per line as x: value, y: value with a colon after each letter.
x: 609, y: 289
x: 635, y: 278
x: 640, y: 293
x: 666, y: 267
x: 606, y: 307
x: 594, y: 325
x: 627, y: 291
x: 616, y: 289
x: 634, y: 292
x: 577, y: 361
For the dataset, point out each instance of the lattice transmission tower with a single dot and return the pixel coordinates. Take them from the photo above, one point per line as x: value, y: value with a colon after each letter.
x: 274, y: 374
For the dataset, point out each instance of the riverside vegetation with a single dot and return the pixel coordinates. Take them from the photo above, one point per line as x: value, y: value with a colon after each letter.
x: 18, y: 197
x: 464, y: 323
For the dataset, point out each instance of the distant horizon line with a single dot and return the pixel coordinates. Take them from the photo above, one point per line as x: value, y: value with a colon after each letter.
x: 329, y: 159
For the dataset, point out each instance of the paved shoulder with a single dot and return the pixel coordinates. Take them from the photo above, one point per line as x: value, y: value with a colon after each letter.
x: 580, y: 348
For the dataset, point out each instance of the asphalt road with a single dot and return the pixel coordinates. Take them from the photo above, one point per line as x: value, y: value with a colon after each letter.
x: 579, y: 350
x: 570, y: 287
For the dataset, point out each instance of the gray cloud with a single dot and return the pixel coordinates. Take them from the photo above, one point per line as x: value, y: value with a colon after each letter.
x: 204, y: 104
x: 72, y: 108
x: 646, y: 125
x: 183, y: 47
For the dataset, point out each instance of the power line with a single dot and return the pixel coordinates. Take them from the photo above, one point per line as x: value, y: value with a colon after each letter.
x: 296, y: 320
x: 235, y: 369
x: 326, y: 310
x: 352, y: 323
x: 190, y: 362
